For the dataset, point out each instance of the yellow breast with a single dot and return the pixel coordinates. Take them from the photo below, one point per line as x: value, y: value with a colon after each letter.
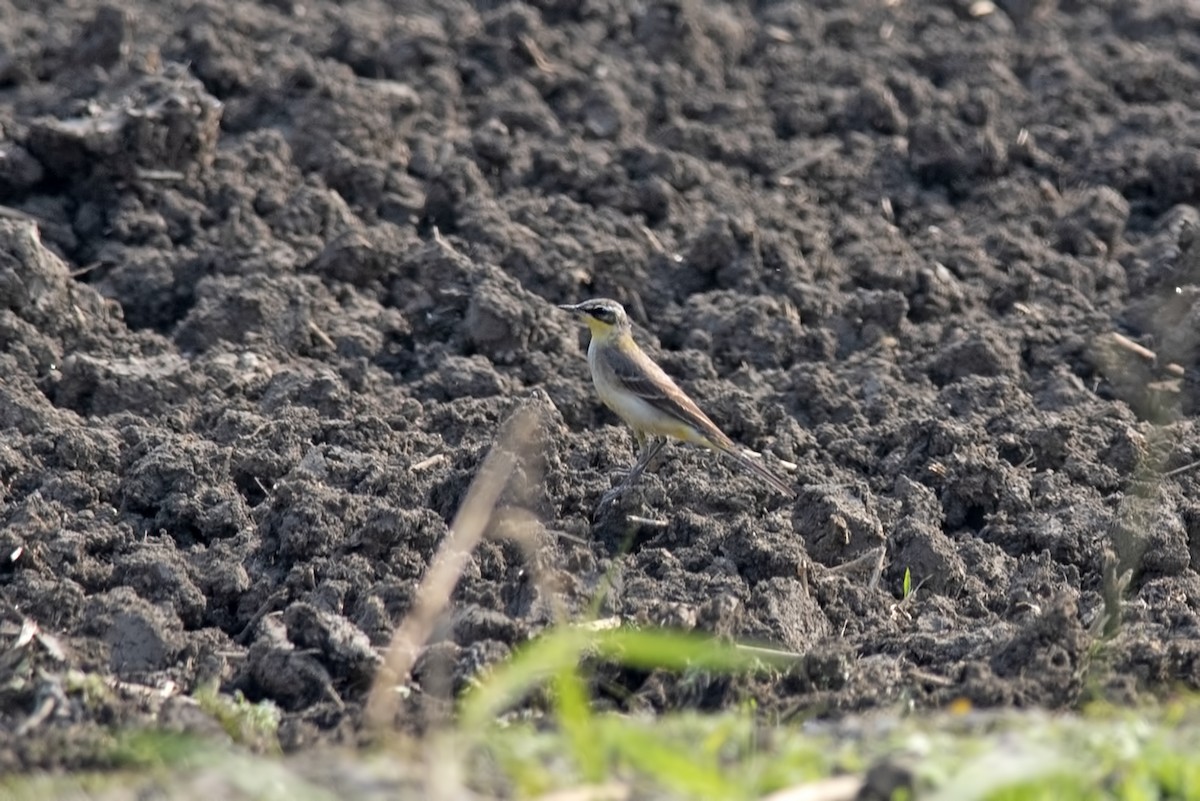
x: 635, y: 411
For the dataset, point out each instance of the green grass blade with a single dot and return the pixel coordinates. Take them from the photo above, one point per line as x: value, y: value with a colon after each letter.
x: 563, y: 648
x: 529, y: 667
x: 672, y: 765
x: 575, y: 716
x: 675, y: 650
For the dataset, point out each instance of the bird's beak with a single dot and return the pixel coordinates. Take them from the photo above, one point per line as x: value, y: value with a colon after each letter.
x: 572, y: 308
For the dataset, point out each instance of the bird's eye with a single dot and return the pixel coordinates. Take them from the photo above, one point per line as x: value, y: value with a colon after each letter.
x: 604, y: 315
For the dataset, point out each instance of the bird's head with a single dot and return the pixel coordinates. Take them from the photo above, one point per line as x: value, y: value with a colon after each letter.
x: 604, y: 317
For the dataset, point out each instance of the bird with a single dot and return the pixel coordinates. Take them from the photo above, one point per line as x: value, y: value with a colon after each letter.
x: 647, y: 399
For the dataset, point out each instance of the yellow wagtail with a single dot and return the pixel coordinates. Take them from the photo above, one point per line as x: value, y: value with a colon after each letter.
x: 646, y: 398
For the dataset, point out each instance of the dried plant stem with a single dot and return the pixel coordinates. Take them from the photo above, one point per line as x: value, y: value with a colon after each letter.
x: 433, y: 594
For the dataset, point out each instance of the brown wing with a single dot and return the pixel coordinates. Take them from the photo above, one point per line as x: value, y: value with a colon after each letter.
x: 641, y: 376
x: 648, y: 381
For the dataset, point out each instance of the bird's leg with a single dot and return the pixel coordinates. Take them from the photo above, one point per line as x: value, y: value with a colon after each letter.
x: 649, y: 448
x: 639, y: 440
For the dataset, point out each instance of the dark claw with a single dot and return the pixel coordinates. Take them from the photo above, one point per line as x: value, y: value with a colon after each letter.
x: 613, y: 494
x: 646, y: 454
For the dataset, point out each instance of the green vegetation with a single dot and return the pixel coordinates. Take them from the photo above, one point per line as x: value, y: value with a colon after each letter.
x: 529, y: 729
x: 252, y: 725
x: 1100, y: 753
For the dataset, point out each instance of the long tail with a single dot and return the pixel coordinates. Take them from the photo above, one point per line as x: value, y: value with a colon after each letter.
x: 752, y: 465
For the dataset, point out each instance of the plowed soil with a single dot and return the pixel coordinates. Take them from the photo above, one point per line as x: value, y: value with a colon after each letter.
x: 273, y: 275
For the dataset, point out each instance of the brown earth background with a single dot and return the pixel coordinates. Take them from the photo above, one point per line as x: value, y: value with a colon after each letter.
x: 273, y: 275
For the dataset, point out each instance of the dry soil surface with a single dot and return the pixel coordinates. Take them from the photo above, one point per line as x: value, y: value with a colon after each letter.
x: 273, y: 275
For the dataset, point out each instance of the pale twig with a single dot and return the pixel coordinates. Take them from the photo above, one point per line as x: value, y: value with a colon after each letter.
x: 652, y: 238
x: 930, y: 678
x: 868, y: 560
x: 320, y: 335
x: 877, y: 571
x: 433, y: 461
x: 271, y: 604
x: 613, y: 791
x: 818, y: 153
x: 837, y: 788
x: 646, y: 521
x: 433, y: 594
x: 536, y: 54
x: 167, y: 690
x: 562, y: 535
x: 1142, y: 352
x: 770, y: 654
x: 520, y: 526
x: 1181, y: 470
x: 450, y: 250
x: 600, y: 624
x: 1126, y: 344
x: 85, y: 269
x: 145, y: 174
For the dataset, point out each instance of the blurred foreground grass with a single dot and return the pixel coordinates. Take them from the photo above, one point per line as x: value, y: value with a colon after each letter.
x: 497, y: 748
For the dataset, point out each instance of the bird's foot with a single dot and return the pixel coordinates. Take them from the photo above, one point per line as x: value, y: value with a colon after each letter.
x: 613, y: 495
x: 631, y: 476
